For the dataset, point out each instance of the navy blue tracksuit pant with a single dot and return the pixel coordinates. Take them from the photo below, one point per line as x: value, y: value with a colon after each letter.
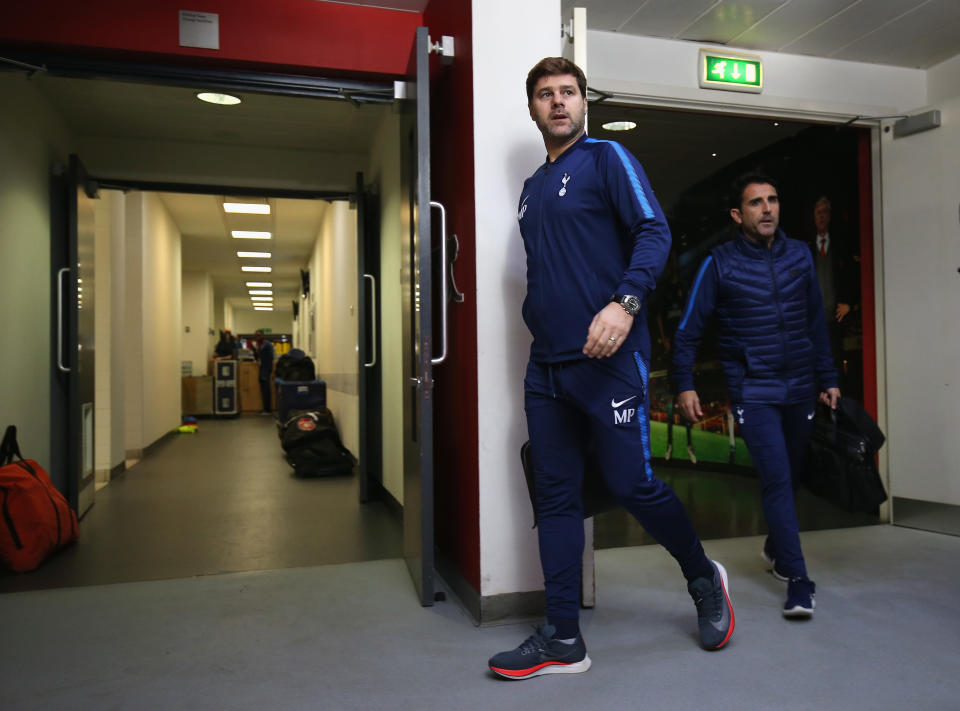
x: 777, y: 437
x: 606, y: 399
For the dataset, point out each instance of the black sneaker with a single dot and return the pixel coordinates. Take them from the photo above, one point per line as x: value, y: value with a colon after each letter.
x: 541, y: 654
x: 800, y: 599
x: 714, y: 611
x: 770, y: 560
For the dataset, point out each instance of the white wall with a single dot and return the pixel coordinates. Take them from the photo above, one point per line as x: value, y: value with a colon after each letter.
x: 508, y: 149
x: 246, y: 320
x: 658, y: 69
x: 118, y: 327
x: 333, y: 288
x: 384, y: 171
x: 31, y: 138
x: 921, y: 256
x: 214, y: 164
x: 153, y: 297
x: 196, y: 315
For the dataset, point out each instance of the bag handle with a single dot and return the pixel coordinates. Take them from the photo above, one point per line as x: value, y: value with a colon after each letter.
x: 9, y: 448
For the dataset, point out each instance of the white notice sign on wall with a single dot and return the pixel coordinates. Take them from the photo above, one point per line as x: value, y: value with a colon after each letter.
x: 199, y: 29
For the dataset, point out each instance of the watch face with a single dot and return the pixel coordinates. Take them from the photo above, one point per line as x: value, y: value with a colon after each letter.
x: 631, y: 304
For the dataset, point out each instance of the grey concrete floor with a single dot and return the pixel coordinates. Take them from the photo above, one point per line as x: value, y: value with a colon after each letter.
x: 221, y: 500
x: 886, y: 635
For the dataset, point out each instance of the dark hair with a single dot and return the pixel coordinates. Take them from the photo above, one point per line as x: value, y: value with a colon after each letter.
x: 735, y: 196
x: 552, y: 66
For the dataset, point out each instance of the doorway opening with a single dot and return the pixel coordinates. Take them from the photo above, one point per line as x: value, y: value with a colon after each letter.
x: 146, y: 142
x: 691, y: 158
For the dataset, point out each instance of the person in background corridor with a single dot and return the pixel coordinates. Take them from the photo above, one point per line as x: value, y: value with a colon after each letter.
x: 264, y: 354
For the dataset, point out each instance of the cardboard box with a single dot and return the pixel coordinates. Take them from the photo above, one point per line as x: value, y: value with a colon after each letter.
x: 248, y: 386
x: 196, y: 395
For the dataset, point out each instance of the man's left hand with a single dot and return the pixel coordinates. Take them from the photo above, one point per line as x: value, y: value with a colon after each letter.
x: 607, y: 331
x: 830, y: 397
x: 842, y: 311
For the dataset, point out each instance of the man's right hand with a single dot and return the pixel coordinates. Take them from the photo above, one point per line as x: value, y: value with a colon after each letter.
x: 689, y: 404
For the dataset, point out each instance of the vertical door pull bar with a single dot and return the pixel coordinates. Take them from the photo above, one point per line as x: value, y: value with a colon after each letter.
x: 444, y: 288
x: 60, y: 365
x: 373, y: 321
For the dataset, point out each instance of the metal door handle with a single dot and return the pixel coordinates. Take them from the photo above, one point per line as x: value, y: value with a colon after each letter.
x: 443, y: 281
x: 60, y: 365
x: 373, y: 321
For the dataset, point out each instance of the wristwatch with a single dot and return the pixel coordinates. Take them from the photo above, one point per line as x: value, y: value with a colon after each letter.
x: 630, y: 303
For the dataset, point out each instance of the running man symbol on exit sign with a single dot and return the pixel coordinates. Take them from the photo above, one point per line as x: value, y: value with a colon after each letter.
x: 730, y: 72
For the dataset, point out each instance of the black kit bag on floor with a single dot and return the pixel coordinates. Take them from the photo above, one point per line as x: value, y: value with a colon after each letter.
x: 295, y: 365
x: 313, y: 446
x: 597, y: 499
x: 841, y: 458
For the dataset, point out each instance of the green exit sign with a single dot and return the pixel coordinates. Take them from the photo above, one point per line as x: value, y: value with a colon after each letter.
x: 730, y: 72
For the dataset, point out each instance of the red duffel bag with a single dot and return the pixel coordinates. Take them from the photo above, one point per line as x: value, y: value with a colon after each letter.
x: 36, y: 519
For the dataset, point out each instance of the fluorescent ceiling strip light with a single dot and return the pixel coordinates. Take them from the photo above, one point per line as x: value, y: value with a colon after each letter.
x: 249, y: 234
x: 263, y: 308
x: 256, y: 269
x: 254, y: 255
x: 259, y: 283
x: 261, y: 298
x: 247, y: 208
x: 261, y: 292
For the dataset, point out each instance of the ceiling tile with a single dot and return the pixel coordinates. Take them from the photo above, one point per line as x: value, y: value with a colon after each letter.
x: 728, y: 19
x: 666, y: 18
x: 789, y: 21
x: 848, y: 26
x: 922, y: 38
x: 606, y: 15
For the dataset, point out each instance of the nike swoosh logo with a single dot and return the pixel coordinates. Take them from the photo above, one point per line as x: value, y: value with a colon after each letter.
x: 614, y: 404
x: 810, y: 416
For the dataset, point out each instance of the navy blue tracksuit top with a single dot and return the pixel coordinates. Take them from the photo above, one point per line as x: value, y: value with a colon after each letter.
x: 772, y: 333
x: 591, y: 228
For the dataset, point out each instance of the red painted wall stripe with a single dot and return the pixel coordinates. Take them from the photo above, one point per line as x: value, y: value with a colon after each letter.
x: 285, y: 33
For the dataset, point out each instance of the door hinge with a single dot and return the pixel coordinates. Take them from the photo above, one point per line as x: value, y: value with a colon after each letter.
x: 444, y: 47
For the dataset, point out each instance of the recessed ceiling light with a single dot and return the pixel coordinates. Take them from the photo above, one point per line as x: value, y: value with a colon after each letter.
x: 259, y: 283
x: 261, y: 298
x: 776, y: 123
x: 261, y: 292
x: 249, y: 234
x: 247, y: 208
x: 212, y: 97
x: 254, y: 255
x: 714, y: 155
x: 256, y: 269
x: 620, y: 125
x: 263, y: 308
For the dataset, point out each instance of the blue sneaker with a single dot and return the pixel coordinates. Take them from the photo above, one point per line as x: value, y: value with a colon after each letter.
x: 800, y: 599
x: 541, y: 654
x: 714, y: 610
x: 770, y: 560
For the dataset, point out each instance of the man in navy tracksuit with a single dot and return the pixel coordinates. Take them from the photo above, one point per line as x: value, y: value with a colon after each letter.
x: 775, y: 350
x: 596, y: 241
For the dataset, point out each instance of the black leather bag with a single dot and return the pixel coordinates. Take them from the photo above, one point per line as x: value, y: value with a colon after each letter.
x: 312, y: 445
x: 596, y: 498
x: 840, y: 463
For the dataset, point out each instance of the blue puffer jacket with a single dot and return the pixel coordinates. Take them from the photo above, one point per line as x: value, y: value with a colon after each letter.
x: 772, y: 333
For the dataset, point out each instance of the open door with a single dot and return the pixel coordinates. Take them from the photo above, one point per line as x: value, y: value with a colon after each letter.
x: 420, y: 352
x: 369, y: 468
x: 74, y: 343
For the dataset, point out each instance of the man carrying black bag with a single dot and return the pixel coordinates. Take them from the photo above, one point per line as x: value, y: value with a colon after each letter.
x: 841, y: 460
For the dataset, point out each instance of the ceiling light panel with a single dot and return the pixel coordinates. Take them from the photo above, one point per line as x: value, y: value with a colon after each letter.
x: 254, y: 255
x: 261, y: 292
x: 212, y: 97
x: 249, y: 234
x: 263, y: 308
x: 259, y: 283
x: 256, y: 269
x: 261, y: 298
x: 247, y: 208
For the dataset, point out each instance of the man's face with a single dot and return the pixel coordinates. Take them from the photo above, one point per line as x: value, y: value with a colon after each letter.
x: 821, y: 218
x: 558, y: 107
x: 759, y: 212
